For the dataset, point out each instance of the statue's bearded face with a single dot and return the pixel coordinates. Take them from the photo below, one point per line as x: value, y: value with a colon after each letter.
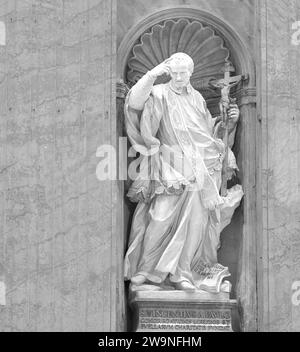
x: 180, y: 74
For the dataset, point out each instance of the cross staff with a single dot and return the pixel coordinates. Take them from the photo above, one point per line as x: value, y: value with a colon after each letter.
x: 225, y: 84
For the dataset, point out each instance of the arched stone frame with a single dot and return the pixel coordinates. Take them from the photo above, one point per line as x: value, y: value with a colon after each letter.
x: 248, y: 156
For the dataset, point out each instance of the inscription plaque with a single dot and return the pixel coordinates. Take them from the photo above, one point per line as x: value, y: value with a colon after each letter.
x: 187, y: 319
x: 155, y: 313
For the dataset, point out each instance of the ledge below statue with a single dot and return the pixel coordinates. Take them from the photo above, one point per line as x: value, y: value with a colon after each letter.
x: 171, y: 311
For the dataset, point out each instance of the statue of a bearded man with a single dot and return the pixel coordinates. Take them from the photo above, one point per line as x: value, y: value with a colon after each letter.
x: 180, y: 213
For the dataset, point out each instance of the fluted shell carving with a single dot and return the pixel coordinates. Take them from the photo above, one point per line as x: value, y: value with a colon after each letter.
x: 183, y: 35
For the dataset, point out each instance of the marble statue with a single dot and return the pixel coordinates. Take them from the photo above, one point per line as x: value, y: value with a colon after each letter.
x: 180, y: 213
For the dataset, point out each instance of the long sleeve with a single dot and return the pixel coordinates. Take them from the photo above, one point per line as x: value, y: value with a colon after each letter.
x: 140, y: 91
x: 142, y: 128
x: 212, y: 121
x: 150, y: 121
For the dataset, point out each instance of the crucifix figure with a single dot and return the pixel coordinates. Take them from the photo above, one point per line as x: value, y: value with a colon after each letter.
x: 225, y: 84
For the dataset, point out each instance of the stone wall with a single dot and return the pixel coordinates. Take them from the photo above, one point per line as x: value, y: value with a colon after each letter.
x: 278, y: 237
x: 61, y: 244
x: 60, y: 255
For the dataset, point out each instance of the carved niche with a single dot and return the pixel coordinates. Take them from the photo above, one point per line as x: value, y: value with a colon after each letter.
x: 200, y: 35
x: 181, y: 35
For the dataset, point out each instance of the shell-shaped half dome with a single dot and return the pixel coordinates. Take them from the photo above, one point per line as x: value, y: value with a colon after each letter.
x: 183, y: 35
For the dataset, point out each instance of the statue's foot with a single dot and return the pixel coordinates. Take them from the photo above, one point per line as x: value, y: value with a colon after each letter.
x: 138, y: 279
x: 185, y: 286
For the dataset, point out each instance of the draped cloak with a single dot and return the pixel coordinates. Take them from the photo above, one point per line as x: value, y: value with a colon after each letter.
x: 180, y: 214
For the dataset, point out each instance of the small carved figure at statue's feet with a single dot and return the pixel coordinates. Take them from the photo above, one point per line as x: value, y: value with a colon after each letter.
x: 185, y: 286
x: 138, y: 279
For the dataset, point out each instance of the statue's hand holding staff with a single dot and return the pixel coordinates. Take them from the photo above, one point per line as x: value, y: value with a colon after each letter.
x: 233, y: 113
x: 233, y: 116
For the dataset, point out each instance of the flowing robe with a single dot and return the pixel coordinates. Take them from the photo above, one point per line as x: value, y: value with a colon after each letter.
x: 180, y: 214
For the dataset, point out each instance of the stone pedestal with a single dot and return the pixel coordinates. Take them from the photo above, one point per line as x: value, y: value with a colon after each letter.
x: 180, y: 311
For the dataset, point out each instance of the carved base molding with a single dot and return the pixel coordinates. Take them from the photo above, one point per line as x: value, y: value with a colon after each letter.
x: 180, y: 311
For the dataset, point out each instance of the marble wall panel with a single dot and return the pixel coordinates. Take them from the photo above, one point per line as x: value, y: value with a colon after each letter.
x: 279, y: 73
x: 59, y: 251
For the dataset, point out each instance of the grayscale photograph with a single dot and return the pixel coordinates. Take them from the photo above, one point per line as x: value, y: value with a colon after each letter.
x: 150, y: 168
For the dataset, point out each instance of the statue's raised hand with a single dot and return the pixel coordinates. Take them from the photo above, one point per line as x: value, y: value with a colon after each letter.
x: 161, y: 69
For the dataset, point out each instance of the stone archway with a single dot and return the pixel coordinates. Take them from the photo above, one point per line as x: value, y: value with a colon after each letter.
x: 130, y: 66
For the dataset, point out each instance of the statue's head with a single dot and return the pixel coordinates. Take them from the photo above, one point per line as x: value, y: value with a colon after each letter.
x: 181, y: 68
